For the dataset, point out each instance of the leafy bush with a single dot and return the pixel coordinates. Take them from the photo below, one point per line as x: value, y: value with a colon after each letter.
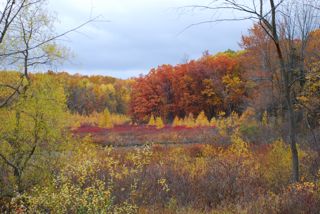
x: 296, y: 199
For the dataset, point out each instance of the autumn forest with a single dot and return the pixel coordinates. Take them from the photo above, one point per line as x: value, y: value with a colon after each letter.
x: 236, y: 131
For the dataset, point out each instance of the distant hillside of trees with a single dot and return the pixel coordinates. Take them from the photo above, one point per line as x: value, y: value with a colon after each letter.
x: 88, y: 94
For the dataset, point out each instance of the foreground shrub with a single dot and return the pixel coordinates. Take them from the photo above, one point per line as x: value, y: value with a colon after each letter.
x: 32, y: 130
x: 182, y: 179
x: 277, y: 164
x: 295, y: 199
x: 87, y: 184
x: 277, y: 167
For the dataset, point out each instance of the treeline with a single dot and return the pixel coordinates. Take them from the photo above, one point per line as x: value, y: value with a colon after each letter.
x: 213, y: 83
x: 87, y: 94
x: 301, y: 59
x: 232, y: 81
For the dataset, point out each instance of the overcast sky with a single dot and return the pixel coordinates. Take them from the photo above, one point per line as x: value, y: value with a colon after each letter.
x: 139, y: 35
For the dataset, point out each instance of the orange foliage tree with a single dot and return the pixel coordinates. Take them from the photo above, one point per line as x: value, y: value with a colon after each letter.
x: 212, y: 83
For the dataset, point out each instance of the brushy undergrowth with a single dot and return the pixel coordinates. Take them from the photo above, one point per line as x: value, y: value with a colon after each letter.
x: 192, y: 179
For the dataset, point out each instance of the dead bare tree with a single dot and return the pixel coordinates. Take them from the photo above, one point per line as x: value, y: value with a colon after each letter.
x: 9, y: 12
x: 285, y: 22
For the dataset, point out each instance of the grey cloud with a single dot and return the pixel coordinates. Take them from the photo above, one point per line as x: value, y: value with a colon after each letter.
x: 141, y: 34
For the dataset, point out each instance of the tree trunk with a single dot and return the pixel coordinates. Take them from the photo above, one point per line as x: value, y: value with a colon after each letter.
x: 285, y: 75
x: 291, y: 115
x: 293, y: 143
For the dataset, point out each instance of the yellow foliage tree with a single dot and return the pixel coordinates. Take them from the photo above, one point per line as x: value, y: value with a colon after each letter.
x: 222, y: 128
x: 31, y: 132
x: 202, y: 120
x: 221, y: 114
x: 265, y: 118
x: 159, y: 123
x: 107, y: 122
x: 177, y: 122
x: 189, y: 121
x: 213, y: 122
x: 277, y: 168
x: 239, y: 147
x: 152, y: 121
